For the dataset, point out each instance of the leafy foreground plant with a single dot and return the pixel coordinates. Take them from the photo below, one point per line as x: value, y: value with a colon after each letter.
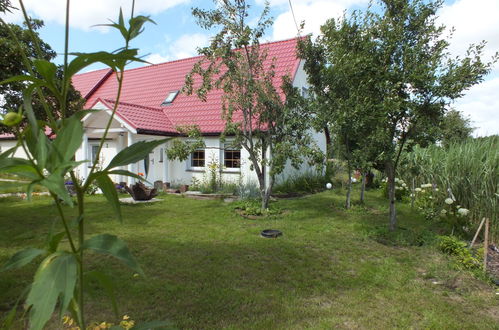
x: 59, y: 280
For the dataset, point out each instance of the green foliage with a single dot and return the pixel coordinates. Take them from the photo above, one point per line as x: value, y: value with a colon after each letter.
x: 464, y: 258
x: 308, y: 183
x: 22, y: 258
x: 401, y: 189
x: 469, y: 169
x: 182, y: 149
x: 112, y: 245
x: 17, y: 44
x: 59, y: 279
x: 252, y: 207
x: 391, y: 61
x: 55, y: 280
x: 454, y: 128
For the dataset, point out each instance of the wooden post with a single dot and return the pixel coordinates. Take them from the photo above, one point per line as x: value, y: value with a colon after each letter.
x: 486, y: 245
x: 477, y: 232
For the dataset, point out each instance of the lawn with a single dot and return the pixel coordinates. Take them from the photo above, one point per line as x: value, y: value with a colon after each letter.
x: 207, y: 268
x: 10, y: 187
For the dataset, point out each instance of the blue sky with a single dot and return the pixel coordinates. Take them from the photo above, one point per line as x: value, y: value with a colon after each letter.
x: 176, y: 34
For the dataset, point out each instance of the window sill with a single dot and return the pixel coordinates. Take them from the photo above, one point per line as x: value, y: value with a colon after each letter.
x: 232, y: 171
x: 195, y: 170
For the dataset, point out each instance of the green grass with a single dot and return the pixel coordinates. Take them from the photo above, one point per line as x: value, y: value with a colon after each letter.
x: 208, y: 268
x: 8, y: 187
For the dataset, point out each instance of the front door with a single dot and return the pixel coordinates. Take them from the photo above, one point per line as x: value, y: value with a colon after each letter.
x: 146, y: 167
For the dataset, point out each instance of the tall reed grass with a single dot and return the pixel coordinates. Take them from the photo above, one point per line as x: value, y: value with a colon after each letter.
x: 470, y: 169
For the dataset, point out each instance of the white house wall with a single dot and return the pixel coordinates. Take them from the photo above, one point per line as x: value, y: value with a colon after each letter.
x: 8, y: 144
x: 300, y: 81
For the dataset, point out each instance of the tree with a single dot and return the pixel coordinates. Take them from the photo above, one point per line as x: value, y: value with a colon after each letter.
x: 407, y: 79
x: 267, y: 125
x: 14, y: 41
x: 454, y: 128
x: 341, y: 98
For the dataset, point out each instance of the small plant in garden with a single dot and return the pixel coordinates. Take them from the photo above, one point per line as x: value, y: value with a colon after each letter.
x: 251, y: 207
x: 427, y: 201
x: 455, y: 216
x: 60, y: 279
x: 464, y: 257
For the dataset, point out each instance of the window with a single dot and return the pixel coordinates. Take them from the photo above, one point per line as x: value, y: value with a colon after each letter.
x: 95, y: 149
x: 161, y: 152
x: 197, y: 158
x: 169, y: 99
x: 304, y: 92
x: 232, y: 157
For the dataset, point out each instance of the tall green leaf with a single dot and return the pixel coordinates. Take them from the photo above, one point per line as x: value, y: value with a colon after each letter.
x: 109, y: 190
x: 134, y: 153
x: 56, y: 277
x: 19, y: 166
x: 112, y: 245
x: 69, y: 139
x: 55, y: 183
x: 22, y: 258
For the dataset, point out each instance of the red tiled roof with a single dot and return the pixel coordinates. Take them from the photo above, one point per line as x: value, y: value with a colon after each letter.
x: 88, y: 82
x: 7, y: 136
x: 141, y: 117
x: 145, y: 88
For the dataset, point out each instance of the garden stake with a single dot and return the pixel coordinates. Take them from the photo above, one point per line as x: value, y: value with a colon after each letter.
x: 477, y: 232
x: 486, y: 245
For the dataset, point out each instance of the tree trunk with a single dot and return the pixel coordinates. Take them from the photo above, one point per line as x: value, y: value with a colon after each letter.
x: 267, y: 193
x: 390, y: 173
x: 362, y: 187
x: 413, y: 192
x: 349, y: 187
x: 329, y: 154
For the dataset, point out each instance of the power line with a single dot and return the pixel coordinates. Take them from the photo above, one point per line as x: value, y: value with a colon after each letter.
x: 294, y: 18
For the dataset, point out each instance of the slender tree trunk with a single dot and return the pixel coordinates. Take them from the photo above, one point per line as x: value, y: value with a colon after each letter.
x: 268, y: 192
x: 349, y: 187
x: 390, y: 173
x: 362, y: 187
x: 329, y: 153
x: 413, y: 192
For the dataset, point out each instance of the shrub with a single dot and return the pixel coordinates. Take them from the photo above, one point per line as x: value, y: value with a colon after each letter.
x: 469, y: 169
x: 464, y: 258
x: 253, y: 207
x: 309, y: 182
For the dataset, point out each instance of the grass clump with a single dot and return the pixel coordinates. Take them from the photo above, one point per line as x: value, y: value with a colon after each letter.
x: 306, y: 183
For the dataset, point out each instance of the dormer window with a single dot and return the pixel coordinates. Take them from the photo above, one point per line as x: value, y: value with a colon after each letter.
x: 169, y: 99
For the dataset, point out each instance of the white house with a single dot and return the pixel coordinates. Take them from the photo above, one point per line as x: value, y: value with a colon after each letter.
x: 152, y: 107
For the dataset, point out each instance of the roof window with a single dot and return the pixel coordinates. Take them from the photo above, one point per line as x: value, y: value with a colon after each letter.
x: 169, y: 99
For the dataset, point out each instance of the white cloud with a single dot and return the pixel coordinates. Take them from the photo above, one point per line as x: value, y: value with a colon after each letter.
x: 85, y: 14
x: 473, y: 21
x: 156, y: 58
x: 313, y: 12
x: 482, y: 106
x: 183, y: 47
